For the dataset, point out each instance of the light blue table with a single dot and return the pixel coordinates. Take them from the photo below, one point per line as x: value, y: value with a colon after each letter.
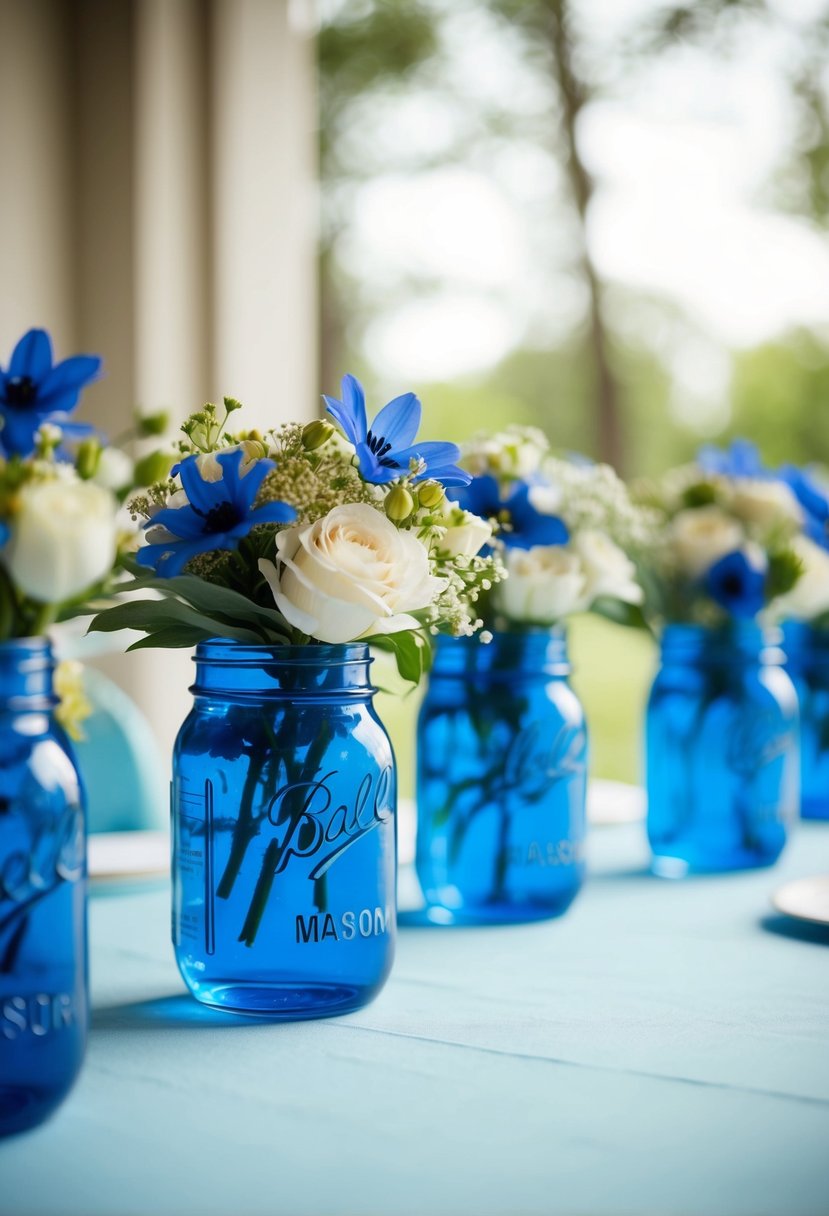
x: 662, y: 1049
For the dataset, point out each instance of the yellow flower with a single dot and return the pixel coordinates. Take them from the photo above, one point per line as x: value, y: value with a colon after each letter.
x: 74, y: 706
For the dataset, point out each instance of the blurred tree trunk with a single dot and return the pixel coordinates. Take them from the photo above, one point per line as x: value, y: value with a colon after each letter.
x: 573, y: 97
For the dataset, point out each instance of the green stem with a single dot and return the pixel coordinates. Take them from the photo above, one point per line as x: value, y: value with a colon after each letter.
x: 298, y: 775
x: 247, y: 827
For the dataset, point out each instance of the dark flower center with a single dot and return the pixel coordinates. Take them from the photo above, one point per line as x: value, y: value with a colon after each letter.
x: 378, y: 445
x: 732, y: 585
x: 222, y: 518
x: 20, y: 391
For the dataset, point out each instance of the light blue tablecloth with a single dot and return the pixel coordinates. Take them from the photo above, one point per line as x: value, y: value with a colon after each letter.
x: 664, y: 1048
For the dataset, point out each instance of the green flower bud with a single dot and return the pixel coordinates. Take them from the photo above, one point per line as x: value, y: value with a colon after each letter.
x: 430, y: 494
x: 152, y: 424
x: 315, y: 434
x: 399, y: 504
x: 88, y: 458
x: 154, y: 467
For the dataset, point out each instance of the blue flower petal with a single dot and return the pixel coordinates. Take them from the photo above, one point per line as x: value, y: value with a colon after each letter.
x: 249, y: 485
x: 372, y: 470
x: 481, y: 496
x: 273, y: 513
x: 341, y: 415
x: 201, y: 494
x: 32, y: 356
x: 181, y: 521
x: 354, y: 400
x: 66, y: 380
x: 446, y: 474
x: 736, y: 585
x: 398, y: 422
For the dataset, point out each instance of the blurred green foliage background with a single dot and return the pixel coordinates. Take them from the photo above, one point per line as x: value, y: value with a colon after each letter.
x: 607, y: 220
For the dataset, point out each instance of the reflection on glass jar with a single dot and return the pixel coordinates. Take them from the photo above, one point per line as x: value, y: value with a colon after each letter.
x: 722, y: 751
x: 284, y: 800
x: 807, y: 654
x: 502, y: 760
x: 43, y: 983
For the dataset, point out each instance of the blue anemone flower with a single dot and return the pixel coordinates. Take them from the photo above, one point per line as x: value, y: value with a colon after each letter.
x: 741, y: 459
x: 528, y: 526
x: 33, y: 390
x: 813, y: 499
x: 218, y: 514
x: 385, y: 449
x: 737, y: 585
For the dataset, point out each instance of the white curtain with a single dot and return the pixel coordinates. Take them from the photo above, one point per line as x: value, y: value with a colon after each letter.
x: 158, y: 207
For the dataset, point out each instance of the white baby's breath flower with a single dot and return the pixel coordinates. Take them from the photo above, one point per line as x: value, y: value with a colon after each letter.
x: 349, y: 575
x: 699, y: 536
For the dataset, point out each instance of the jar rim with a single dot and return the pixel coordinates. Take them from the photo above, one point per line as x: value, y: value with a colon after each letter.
x: 226, y: 652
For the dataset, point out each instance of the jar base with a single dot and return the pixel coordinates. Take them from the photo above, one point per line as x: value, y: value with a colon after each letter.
x: 491, y: 914
x: 814, y: 809
x: 676, y: 866
x: 289, y: 1002
x: 23, y: 1107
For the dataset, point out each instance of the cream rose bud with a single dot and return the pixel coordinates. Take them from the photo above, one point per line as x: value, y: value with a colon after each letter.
x: 608, y: 570
x: 809, y: 597
x: 350, y: 575
x: 63, y: 539
x: 700, y: 536
x: 543, y: 585
x: 465, y: 535
x: 765, y: 503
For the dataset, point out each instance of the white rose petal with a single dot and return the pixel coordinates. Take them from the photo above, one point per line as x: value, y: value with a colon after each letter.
x: 63, y: 539
x: 765, y: 503
x: 115, y: 470
x: 700, y: 536
x: 809, y: 598
x: 350, y: 575
x: 608, y: 570
x: 546, y: 499
x: 466, y: 539
x: 543, y: 585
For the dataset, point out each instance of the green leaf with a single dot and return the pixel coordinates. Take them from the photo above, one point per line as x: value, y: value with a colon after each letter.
x: 177, y: 637
x: 411, y: 651
x: 630, y: 615
x: 785, y: 568
x: 153, y: 616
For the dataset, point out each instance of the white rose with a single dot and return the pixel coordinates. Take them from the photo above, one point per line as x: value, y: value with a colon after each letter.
x: 63, y: 539
x: 467, y: 537
x: 608, y: 570
x: 765, y: 503
x: 350, y: 575
x: 546, y: 499
x: 700, y: 536
x: 809, y: 598
x: 543, y: 584
x: 115, y: 470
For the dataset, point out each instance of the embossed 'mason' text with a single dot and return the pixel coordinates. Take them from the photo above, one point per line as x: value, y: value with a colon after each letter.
x: 39, y: 1015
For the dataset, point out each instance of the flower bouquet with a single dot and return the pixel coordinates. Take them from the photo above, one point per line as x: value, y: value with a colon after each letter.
x: 502, y: 748
x: 722, y: 717
x: 283, y: 556
x: 58, y: 545
x: 804, y: 612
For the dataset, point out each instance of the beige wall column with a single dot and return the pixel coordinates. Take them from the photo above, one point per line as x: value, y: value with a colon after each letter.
x: 263, y: 163
x: 159, y: 208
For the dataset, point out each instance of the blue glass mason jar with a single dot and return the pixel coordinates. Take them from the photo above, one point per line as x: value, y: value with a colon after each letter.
x: 284, y: 832
x: 43, y: 970
x: 501, y: 786
x: 722, y: 750
x: 807, y: 652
